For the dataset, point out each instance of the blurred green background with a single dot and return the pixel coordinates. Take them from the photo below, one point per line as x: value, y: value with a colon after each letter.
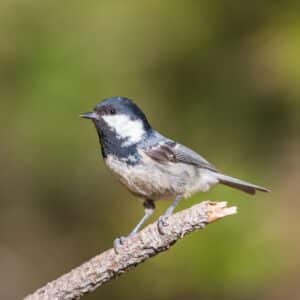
x: 219, y: 76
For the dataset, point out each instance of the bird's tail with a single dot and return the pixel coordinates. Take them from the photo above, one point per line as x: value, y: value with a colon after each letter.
x: 244, y: 186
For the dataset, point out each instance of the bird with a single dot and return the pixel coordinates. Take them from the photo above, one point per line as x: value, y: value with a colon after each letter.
x: 150, y: 165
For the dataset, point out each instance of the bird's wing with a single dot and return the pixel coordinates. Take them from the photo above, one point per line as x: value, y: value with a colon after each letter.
x: 170, y: 151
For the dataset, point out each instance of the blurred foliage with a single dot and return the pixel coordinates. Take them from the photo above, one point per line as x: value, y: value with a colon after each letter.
x: 220, y: 77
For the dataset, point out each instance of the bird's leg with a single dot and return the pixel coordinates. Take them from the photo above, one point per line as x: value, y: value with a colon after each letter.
x: 162, y: 221
x: 149, y: 209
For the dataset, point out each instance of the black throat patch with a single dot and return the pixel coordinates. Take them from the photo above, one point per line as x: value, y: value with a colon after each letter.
x: 111, y: 143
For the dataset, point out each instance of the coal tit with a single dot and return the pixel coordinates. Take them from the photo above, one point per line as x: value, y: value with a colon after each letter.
x: 150, y: 165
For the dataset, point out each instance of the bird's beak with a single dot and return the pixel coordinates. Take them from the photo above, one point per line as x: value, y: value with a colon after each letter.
x: 90, y: 115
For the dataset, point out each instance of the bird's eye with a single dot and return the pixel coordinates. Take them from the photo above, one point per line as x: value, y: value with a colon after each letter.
x: 112, y: 111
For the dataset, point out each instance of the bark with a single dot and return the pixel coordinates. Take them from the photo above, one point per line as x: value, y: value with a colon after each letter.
x: 135, y: 250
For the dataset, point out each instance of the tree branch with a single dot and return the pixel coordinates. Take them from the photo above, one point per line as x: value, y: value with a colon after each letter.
x: 135, y: 250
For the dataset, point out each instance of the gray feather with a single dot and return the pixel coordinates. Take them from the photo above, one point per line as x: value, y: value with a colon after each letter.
x: 240, y: 184
x: 185, y: 155
x: 165, y: 150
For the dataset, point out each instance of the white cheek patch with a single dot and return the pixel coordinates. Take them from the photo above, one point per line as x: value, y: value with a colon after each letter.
x: 125, y: 128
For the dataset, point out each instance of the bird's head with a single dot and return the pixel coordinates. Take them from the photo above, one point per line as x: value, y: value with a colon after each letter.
x: 120, y: 117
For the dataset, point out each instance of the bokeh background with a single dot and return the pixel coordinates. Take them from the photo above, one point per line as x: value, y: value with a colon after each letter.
x: 219, y: 76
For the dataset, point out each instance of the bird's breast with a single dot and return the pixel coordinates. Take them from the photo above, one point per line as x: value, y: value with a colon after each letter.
x: 153, y: 180
x: 141, y: 179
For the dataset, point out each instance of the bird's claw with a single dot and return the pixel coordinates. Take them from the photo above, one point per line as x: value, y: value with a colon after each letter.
x: 118, y: 243
x: 161, y: 223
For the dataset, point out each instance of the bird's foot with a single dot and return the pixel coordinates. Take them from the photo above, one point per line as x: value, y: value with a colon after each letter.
x: 162, y: 223
x: 118, y: 243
